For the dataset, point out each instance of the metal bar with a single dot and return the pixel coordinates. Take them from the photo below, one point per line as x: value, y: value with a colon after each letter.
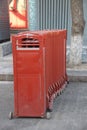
x: 47, y: 13
x: 55, y: 18
x: 52, y: 20
x: 44, y: 14
x: 63, y: 15
x: 41, y: 14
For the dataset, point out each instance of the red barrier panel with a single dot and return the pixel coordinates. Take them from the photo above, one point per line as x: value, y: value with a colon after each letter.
x: 39, y: 60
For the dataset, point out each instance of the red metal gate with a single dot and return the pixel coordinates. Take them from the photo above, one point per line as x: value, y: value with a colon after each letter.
x: 39, y: 71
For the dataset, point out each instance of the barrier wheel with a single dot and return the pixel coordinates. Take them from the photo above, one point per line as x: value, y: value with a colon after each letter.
x: 49, y: 110
x: 48, y: 115
x: 61, y: 91
x: 10, y: 115
x: 67, y: 81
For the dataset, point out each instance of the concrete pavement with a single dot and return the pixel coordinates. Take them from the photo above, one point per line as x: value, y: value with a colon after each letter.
x: 6, y: 68
x: 69, y: 113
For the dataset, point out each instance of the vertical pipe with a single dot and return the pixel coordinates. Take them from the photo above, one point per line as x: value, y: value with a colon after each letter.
x: 55, y: 18
x: 44, y: 14
x: 52, y: 17
x: 41, y: 14
x: 47, y: 13
x: 66, y: 14
x: 58, y: 10
x: 63, y: 16
x: 60, y: 14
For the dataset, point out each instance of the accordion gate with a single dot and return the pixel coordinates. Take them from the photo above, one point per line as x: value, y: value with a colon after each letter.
x: 39, y: 60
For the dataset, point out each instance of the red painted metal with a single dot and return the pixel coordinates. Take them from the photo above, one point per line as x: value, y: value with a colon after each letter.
x: 39, y: 71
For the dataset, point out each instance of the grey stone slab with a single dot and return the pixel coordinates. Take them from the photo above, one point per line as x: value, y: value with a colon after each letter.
x: 5, y: 48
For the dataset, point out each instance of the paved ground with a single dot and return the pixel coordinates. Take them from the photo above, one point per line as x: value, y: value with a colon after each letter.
x: 6, y: 64
x: 70, y: 110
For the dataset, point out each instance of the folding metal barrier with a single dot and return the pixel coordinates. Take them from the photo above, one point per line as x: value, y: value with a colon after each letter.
x: 39, y: 60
